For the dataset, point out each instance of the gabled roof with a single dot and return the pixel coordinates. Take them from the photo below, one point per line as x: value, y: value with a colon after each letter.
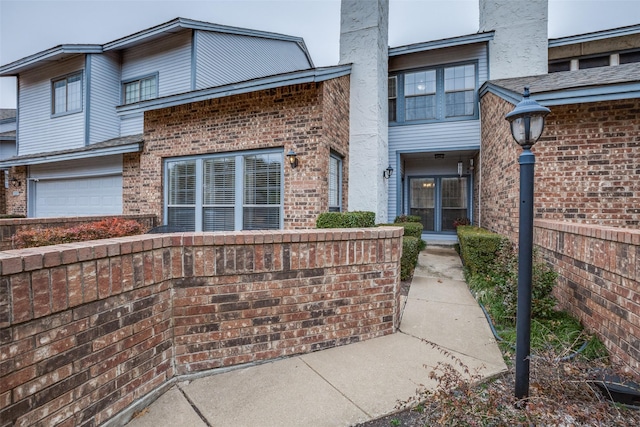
x: 177, y: 24
x: 442, y: 43
x: 8, y: 114
x: 571, y: 87
x: 596, y: 35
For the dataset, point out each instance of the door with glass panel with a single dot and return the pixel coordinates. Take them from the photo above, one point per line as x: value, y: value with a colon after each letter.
x: 439, y: 201
x: 423, y: 201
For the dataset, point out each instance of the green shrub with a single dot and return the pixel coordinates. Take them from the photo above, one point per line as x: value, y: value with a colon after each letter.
x: 356, y: 219
x: 103, y: 229
x: 407, y: 218
x: 410, y: 250
x: 413, y: 229
x: 478, y: 248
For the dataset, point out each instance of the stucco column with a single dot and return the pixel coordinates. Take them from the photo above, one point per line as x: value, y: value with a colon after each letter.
x: 364, y: 43
x: 520, y: 46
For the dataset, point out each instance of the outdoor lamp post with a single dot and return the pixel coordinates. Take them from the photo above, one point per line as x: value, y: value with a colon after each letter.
x: 527, y: 123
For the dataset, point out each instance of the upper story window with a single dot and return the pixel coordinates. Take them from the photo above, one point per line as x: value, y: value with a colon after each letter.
x: 67, y: 94
x: 140, y: 89
x: 436, y: 94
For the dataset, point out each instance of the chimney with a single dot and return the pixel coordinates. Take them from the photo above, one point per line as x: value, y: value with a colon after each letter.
x: 520, y: 46
x: 364, y: 44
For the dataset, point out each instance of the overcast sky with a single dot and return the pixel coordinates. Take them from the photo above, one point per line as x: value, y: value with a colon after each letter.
x: 31, y: 26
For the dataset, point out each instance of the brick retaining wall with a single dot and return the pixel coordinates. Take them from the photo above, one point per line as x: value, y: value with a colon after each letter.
x: 87, y: 330
x: 599, y: 276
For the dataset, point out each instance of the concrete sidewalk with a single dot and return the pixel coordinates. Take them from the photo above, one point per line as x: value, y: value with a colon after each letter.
x: 351, y: 384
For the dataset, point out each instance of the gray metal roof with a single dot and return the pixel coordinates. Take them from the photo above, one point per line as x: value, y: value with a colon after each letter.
x: 596, y: 35
x: 7, y: 114
x: 439, y: 44
x: 61, y: 51
x: 570, y: 87
x: 124, y: 144
x: 269, y: 82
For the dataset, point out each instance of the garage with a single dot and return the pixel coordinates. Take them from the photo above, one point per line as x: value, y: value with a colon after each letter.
x: 78, y: 188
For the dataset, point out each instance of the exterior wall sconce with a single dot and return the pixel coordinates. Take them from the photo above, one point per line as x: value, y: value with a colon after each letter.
x: 386, y: 174
x: 460, y: 168
x: 292, y: 158
x: 527, y: 124
x: 471, y: 165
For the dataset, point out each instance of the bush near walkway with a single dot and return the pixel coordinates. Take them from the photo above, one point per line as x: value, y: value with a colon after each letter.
x: 104, y: 229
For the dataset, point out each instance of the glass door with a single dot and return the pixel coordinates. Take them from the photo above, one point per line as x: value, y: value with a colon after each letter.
x: 423, y: 192
x: 439, y: 201
x: 454, y: 201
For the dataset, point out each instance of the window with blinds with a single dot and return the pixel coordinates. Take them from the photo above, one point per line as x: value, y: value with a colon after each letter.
x: 225, y: 192
x: 181, y: 203
x: 335, y: 183
x: 262, y: 191
x: 219, y: 194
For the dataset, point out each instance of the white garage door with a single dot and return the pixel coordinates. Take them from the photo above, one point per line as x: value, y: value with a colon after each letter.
x: 79, y: 196
x: 74, y: 188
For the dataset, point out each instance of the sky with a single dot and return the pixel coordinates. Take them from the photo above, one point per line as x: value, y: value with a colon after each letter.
x: 31, y: 26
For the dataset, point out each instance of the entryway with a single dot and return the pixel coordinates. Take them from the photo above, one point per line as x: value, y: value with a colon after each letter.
x: 439, y: 201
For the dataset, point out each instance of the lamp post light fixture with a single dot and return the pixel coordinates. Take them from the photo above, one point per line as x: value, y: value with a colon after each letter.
x: 386, y: 174
x: 527, y: 124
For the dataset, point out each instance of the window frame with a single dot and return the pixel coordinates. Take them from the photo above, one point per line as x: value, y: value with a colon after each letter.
x: 339, y: 159
x: 139, y: 80
x: 66, y: 78
x: 440, y: 95
x: 239, y: 188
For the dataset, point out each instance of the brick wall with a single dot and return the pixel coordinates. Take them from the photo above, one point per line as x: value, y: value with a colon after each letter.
x: 311, y: 119
x: 587, y: 165
x: 16, y: 197
x: 89, y: 329
x: 10, y: 226
x: 599, y: 276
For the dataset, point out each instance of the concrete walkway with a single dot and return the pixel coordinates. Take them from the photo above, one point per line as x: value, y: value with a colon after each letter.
x: 350, y: 384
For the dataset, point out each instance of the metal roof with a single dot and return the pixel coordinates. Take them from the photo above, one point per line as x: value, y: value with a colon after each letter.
x: 596, y: 35
x: 177, y: 24
x: 571, y: 87
x: 439, y: 44
x: 121, y: 145
x: 269, y: 82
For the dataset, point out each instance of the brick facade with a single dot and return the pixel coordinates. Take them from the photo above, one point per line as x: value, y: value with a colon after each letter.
x: 311, y: 119
x: 587, y: 195
x: 16, y: 197
x: 587, y: 165
x: 87, y: 330
x: 599, y: 272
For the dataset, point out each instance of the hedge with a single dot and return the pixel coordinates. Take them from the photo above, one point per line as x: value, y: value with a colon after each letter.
x: 407, y: 218
x: 103, y: 229
x: 478, y: 247
x: 356, y: 219
x: 410, y: 251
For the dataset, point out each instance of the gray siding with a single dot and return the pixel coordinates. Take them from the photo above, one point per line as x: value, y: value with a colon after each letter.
x: 104, y: 96
x: 473, y: 52
x: 169, y: 56
x: 229, y: 58
x: 433, y: 137
x: 7, y: 149
x: 38, y: 131
x: 131, y: 124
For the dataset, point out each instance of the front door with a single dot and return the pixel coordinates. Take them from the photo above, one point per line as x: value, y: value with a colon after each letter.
x: 439, y: 201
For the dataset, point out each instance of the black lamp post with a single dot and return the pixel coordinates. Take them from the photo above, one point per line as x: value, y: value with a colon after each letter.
x: 527, y: 123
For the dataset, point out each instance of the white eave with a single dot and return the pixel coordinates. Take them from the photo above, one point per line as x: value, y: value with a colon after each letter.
x: 279, y: 80
x: 439, y: 44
